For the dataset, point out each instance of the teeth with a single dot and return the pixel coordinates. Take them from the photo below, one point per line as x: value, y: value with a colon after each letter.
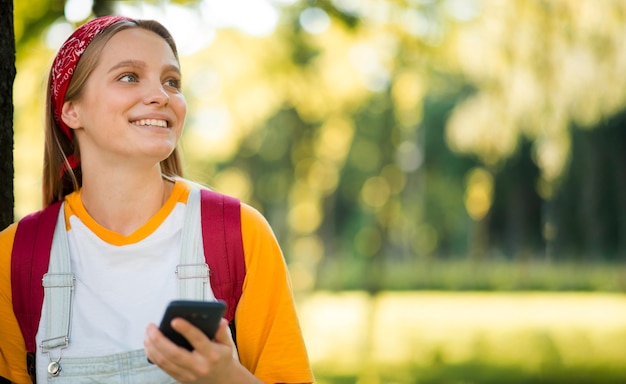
x: 153, y: 122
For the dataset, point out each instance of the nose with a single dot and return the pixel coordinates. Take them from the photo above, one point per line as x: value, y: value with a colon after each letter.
x: 156, y: 94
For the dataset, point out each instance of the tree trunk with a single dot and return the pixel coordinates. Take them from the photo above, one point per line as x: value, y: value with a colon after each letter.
x: 7, y: 76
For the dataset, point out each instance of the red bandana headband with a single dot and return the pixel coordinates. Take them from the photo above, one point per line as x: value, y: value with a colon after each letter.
x: 65, y: 63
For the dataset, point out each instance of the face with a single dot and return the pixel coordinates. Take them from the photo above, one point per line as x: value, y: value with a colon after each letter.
x: 131, y: 109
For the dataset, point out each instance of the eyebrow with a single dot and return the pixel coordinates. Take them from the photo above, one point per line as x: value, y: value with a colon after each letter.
x: 141, y: 64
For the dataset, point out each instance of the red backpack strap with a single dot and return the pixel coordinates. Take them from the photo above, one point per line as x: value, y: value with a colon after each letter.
x: 29, y: 262
x: 223, y: 247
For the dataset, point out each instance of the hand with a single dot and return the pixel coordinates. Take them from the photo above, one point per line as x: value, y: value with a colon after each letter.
x: 209, y: 362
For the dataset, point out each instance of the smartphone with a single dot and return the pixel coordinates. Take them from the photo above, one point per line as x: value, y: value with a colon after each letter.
x: 205, y: 315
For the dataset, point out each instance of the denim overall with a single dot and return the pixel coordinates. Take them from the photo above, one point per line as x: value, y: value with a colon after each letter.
x: 127, y: 367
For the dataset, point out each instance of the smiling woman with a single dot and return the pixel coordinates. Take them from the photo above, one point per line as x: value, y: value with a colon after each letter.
x: 142, y: 93
x: 128, y: 226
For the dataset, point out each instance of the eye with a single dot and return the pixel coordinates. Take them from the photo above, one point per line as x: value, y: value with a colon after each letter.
x: 128, y: 78
x: 173, y: 82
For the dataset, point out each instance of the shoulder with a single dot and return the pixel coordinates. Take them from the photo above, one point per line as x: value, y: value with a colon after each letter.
x: 255, y: 226
x: 261, y: 248
x: 6, y: 247
x: 6, y: 236
x: 251, y: 216
x: 252, y: 221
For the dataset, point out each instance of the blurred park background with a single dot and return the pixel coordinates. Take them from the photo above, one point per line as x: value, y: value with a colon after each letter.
x: 447, y: 178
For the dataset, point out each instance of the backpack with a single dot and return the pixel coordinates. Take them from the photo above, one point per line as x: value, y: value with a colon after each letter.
x: 223, y: 252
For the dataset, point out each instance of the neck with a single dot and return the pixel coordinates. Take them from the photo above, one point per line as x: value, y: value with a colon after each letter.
x: 122, y: 200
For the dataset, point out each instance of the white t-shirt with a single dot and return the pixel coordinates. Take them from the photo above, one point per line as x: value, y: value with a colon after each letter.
x: 116, y: 293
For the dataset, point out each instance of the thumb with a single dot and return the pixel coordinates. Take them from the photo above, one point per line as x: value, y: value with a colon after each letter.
x: 224, y: 336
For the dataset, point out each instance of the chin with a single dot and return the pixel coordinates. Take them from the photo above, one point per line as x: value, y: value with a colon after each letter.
x: 159, y: 153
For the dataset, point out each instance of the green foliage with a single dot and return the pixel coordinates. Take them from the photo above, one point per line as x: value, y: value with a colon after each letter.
x: 32, y: 18
x: 468, y: 275
x: 358, y: 142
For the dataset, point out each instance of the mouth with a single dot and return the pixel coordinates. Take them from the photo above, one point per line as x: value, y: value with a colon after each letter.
x: 151, y: 123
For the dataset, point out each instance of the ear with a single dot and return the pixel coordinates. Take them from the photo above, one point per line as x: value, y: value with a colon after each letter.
x: 70, y: 115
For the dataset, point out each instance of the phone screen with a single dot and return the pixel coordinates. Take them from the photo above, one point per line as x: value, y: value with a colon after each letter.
x: 205, y: 315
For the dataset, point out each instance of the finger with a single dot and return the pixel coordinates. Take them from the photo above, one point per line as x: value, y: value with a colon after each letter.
x: 154, y: 345
x: 223, y: 335
x: 168, y: 356
x: 148, y: 344
x: 157, y: 344
x: 193, y: 334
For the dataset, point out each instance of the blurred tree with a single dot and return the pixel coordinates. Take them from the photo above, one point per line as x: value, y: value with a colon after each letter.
x: 102, y: 7
x: 544, y: 71
x: 7, y: 71
x: 33, y: 17
x: 589, y: 209
x: 515, y: 222
x: 374, y: 133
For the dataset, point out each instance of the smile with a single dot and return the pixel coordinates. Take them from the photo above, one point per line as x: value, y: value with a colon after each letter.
x: 151, y: 122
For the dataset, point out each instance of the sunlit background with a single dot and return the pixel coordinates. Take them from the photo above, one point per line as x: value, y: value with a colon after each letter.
x: 446, y: 177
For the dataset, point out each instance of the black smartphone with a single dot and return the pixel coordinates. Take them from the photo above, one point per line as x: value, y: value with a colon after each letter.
x: 205, y: 315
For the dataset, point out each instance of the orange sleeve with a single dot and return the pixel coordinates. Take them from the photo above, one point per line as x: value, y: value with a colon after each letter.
x: 269, y: 338
x: 12, y: 347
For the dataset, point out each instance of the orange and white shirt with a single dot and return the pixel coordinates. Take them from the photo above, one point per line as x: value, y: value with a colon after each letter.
x: 125, y: 282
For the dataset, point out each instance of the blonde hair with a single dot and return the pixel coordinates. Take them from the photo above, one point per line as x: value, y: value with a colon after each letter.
x: 59, y: 179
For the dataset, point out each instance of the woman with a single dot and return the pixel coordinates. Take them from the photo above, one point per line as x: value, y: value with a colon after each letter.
x: 114, y: 116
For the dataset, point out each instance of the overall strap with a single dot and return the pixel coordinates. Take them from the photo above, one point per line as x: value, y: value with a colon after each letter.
x: 58, y: 284
x: 192, y: 271
x: 223, y: 247
x: 29, y: 262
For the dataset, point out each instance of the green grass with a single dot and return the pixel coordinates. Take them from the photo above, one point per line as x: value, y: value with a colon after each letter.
x: 467, y: 275
x: 465, y: 337
x: 473, y: 372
